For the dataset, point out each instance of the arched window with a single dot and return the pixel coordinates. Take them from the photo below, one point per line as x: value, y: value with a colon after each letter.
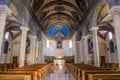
x: 112, y: 49
x: 110, y: 35
x: 7, y: 35
x: 70, y: 44
x: 48, y: 43
x: 6, y: 45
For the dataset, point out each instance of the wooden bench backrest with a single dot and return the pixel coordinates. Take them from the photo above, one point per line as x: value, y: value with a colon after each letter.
x: 15, y: 77
x: 86, y: 73
x: 104, y: 77
x: 32, y: 73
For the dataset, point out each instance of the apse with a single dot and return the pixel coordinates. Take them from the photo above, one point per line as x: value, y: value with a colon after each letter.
x: 59, y: 30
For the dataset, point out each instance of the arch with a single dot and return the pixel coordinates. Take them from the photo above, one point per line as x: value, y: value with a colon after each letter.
x: 97, y: 11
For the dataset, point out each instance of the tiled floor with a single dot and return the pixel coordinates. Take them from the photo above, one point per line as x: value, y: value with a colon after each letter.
x: 59, y: 73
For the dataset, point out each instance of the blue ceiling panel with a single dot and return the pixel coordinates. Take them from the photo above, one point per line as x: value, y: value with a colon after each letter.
x: 62, y: 28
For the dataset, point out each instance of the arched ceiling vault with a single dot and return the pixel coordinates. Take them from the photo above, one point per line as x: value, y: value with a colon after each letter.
x: 68, y: 13
x: 64, y: 16
x: 104, y: 20
x: 58, y: 2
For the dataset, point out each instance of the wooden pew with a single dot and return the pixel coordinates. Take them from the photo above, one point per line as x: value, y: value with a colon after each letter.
x: 85, y: 73
x: 42, y: 69
x: 79, y: 73
x: 77, y: 69
x: 15, y: 77
x: 113, y: 66
x: 6, y: 66
x: 33, y: 74
x: 74, y: 67
x: 35, y: 71
x: 32, y: 68
x: 104, y: 77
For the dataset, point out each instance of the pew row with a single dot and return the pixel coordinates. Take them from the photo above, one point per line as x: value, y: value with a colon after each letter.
x: 33, y: 74
x: 104, y: 77
x: 15, y: 77
x: 30, y: 72
x: 41, y: 69
x: 81, y: 71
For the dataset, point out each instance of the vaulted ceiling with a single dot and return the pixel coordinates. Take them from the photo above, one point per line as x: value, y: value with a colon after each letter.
x: 70, y: 13
x: 56, y: 12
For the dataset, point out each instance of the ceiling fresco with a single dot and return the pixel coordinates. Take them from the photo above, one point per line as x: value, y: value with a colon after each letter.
x: 51, y: 12
x: 48, y: 13
x: 59, y: 29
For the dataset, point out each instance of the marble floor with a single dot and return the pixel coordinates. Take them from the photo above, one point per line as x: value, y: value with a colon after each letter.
x: 59, y: 73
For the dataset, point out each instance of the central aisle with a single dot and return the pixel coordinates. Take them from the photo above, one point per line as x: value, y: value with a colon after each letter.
x: 59, y: 73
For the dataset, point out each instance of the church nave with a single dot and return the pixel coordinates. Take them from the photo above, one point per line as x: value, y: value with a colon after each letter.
x: 59, y: 39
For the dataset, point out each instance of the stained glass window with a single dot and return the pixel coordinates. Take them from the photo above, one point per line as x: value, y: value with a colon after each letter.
x: 6, y: 44
x: 112, y: 50
x: 90, y: 44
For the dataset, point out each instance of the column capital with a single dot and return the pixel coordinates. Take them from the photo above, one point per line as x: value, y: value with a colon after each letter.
x: 115, y: 10
x: 5, y: 8
x: 24, y: 28
x: 94, y: 28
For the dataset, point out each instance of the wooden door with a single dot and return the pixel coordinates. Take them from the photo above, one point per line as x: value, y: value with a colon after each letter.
x: 102, y: 58
x: 15, y: 58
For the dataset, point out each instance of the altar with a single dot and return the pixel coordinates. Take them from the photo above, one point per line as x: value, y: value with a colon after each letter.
x: 59, y: 61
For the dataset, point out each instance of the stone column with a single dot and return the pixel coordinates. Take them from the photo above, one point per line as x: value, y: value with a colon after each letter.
x: 23, y: 46
x: 3, y: 14
x: 81, y: 52
x: 95, y: 46
x: 115, y: 11
x: 78, y: 52
x: 40, y: 52
x: 33, y: 49
x: 75, y: 47
x: 37, y: 50
x: 85, y: 49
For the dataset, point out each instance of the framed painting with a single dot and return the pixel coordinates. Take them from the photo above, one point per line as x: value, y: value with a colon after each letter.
x: 59, y: 44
